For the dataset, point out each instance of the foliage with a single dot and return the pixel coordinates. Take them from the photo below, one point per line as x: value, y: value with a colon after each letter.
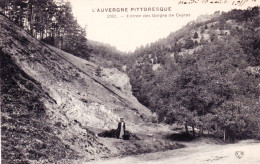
x: 49, y: 21
x: 210, y: 88
x: 195, y: 36
x: 108, y: 56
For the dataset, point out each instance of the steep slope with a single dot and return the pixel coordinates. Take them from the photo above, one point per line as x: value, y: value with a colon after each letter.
x: 53, y: 106
x: 89, y: 69
x: 34, y: 126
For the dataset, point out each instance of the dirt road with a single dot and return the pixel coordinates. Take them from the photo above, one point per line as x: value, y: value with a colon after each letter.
x: 197, y: 153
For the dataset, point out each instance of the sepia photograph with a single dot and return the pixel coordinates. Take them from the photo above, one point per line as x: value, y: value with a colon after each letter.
x: 130, y: 81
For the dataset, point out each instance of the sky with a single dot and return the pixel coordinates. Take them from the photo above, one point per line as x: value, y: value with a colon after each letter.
x: 120, y: 29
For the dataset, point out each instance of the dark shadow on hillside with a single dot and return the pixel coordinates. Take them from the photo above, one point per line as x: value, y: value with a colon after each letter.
x: 25, y: 133
x: 180, y: 137
x: 114, y: 134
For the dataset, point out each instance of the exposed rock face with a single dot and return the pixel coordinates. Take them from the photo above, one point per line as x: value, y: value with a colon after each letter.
x: 119, y: 79
x: 155, y: 67
x: 254, y: 70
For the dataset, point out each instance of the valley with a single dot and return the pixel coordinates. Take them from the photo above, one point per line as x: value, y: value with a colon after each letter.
x: 192, y: 97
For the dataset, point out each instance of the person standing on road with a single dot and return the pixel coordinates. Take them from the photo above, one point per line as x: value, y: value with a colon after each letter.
x: 121, y: 128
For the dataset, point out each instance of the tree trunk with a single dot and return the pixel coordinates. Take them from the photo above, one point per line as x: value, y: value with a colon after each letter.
x: 193, y: 130
x: 31, y: 19
x: 216, y: 128
x: 41, y: 35
x: 20, y: 17
x: 224, y: 134
x: 186, y: 128
x: 201, y: 130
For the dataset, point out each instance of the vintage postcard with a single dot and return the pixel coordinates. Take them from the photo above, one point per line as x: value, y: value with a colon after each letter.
x: 130, y: 81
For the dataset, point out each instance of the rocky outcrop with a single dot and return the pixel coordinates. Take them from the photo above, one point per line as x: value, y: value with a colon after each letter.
x: 119, y: 79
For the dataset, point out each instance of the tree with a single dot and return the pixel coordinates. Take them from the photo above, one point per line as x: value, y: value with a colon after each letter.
x: 49, y: 21
x: 98, y: 71
x: 189, y: 44
x: 195, y: 36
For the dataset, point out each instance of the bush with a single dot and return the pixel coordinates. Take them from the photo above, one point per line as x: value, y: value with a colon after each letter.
x: 114, y: 134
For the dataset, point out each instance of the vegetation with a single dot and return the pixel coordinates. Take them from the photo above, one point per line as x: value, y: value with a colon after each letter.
x: 49, y: 21
x: 204, y: 80
x: 107, y: 56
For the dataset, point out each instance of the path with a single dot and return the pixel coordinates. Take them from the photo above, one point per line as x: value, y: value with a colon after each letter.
x: 197, y: 153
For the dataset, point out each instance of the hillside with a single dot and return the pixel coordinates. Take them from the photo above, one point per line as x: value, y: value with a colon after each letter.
x: 205, y: 75
x: 53, y: 106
